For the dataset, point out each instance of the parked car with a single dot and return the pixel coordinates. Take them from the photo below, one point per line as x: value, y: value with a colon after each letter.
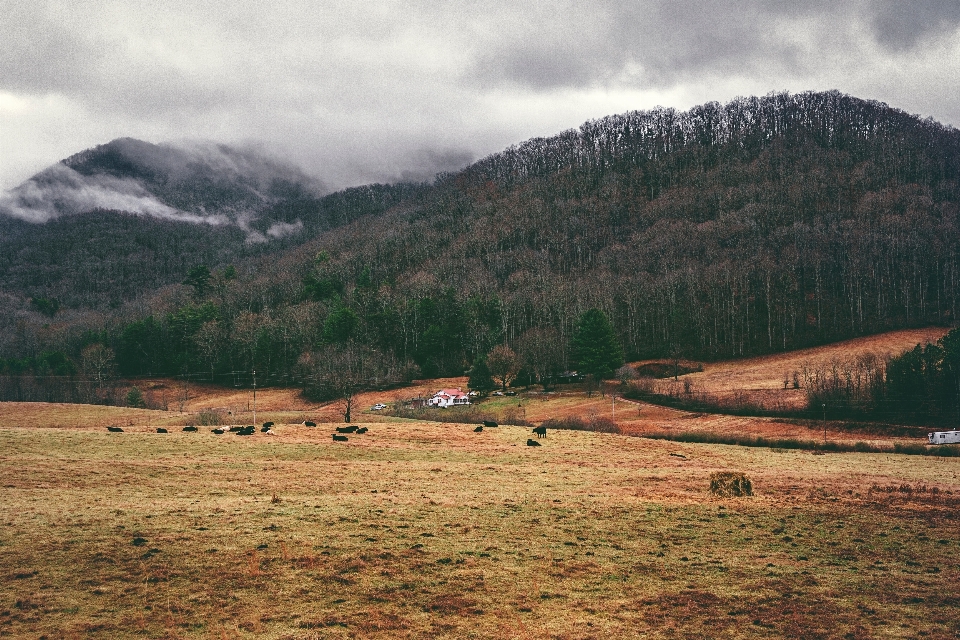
x: 378, y: 407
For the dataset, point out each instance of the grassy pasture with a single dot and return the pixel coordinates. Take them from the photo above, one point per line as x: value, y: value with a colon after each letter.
x: 420, y: 529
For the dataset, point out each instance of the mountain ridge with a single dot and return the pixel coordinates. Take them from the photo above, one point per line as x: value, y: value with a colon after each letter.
x: 190, y: 182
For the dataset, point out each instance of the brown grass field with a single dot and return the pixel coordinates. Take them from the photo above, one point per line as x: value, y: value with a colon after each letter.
x: 428, y: 530
x: 761, y: 380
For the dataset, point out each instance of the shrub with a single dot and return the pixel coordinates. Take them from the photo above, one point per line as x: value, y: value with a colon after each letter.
x: 575, y: 423
x: 728, y: 484
x: 451, y: 414
x: 463, y: 415
x: 516, y: 416
x: 210, y: 418
x: 667, y: 369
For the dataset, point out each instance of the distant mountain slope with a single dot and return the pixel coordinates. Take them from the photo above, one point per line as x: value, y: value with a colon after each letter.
x: 104, y: 258
x: 195, y: 182
x: 762, y: 225
x: 112, y: 222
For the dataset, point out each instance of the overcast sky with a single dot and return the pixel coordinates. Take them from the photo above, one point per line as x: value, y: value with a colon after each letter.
x: 356, y: 92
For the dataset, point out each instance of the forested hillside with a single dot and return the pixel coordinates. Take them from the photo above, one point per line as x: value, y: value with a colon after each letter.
x: 99, y: 258
x: 761, y: 225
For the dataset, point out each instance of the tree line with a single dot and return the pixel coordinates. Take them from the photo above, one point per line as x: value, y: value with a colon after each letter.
x: 919, y: 386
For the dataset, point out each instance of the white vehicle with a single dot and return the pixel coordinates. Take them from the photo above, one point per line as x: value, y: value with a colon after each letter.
x: 944, y: 437
x: 378, y: 407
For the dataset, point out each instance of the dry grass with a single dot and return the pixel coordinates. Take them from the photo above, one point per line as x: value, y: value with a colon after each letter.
x: 425, y: 530
x: 761, y: 380
x: 49, y: 415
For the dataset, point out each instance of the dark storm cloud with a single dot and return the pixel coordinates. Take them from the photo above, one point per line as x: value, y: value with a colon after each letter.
x: 899, y: 24
x: 660, y: 43
x: 402, y: 89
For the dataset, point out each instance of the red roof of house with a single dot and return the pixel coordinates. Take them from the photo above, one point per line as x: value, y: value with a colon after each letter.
x: 452, y: 393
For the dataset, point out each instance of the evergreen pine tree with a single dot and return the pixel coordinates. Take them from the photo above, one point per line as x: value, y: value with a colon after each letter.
x: 596, y: 351
x: 135, y: 398
x: 480, y: 378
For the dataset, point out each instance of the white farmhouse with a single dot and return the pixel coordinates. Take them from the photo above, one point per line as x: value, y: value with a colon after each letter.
x: 448, y: 398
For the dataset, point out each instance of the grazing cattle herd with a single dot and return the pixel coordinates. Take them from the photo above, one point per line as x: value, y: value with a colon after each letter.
x: 339, y: 436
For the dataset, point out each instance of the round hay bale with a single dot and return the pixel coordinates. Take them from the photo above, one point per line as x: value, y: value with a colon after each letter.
x: 730, y: 484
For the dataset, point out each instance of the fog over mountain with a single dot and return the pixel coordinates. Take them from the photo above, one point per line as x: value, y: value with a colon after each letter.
x: 195, y: 182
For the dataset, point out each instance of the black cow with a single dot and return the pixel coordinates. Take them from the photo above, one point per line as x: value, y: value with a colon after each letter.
x: 532, y: 443
x: 541, y: 432
x: 307, y: 423
x: 161, y: 430
x: 219, y: 432
x: 267, y: 425
x: 114, y: 429
x: 264, y: 429
x: 190, y: 429
x: 490, y: 424
x: 362, y: 430
x: 478, y: 429
x: 245, y: 432
x: 350, y: 429
x: 337, y: 438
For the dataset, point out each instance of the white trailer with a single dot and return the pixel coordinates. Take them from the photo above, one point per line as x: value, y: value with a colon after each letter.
x: 944, y: 437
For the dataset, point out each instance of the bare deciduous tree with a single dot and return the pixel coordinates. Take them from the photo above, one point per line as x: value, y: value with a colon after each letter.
x: 98, y: 362
x: 541, y: 352
x: 340, y: 371
x: 503, y: 364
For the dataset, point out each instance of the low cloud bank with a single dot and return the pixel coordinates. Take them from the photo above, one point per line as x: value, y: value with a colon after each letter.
x: 199, y: 183
x: 59, y: 190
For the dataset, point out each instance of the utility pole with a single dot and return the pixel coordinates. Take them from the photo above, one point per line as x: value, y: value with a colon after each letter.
x: 613, y: 406
x: 824, y: 422
x: 254, y: 398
